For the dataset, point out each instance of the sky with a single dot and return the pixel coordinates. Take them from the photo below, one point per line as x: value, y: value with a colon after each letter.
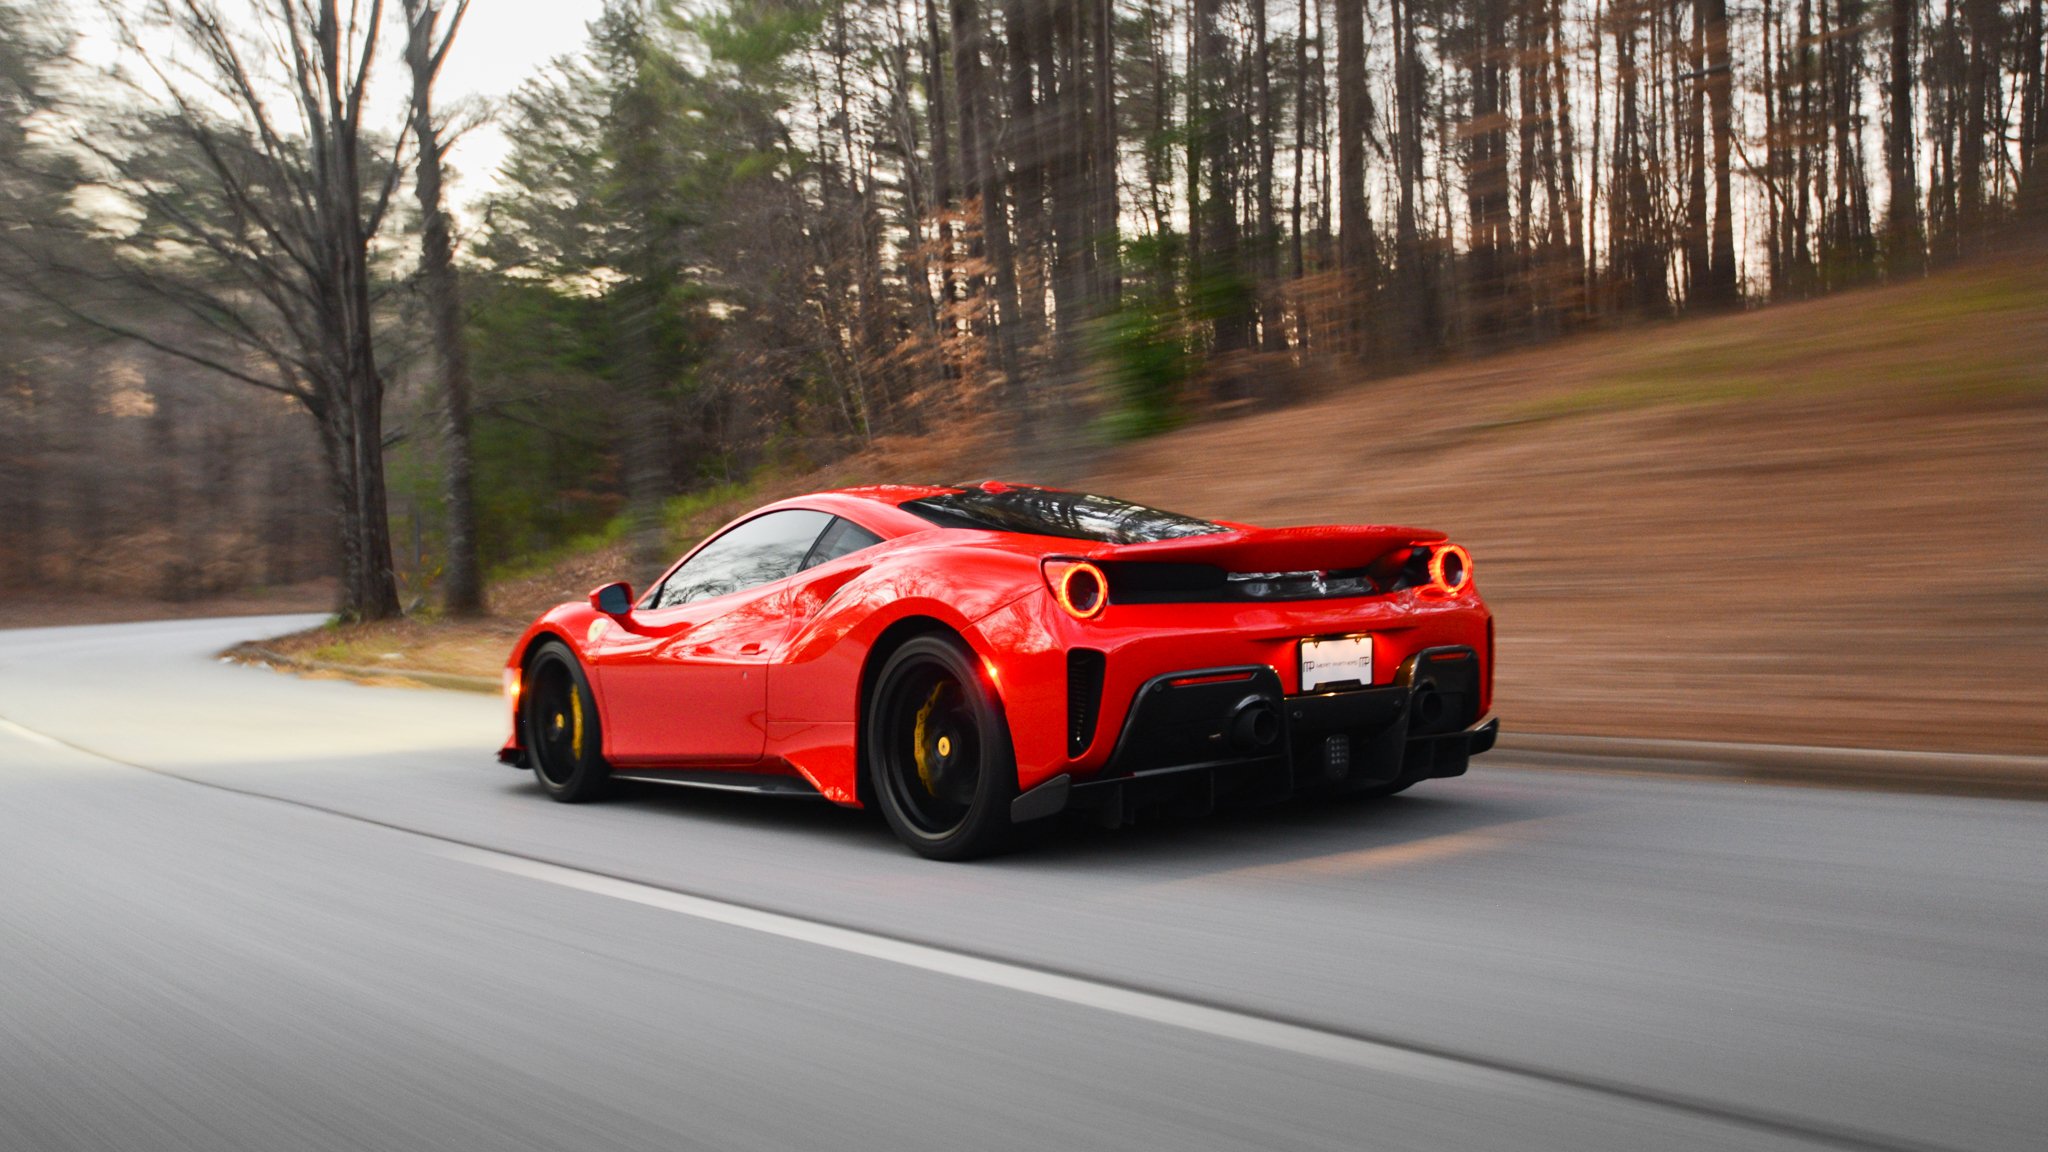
x: 502, y: 43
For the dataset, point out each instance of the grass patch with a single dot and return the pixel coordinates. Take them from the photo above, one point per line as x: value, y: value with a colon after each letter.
x: 689, y: 517
x: 534, y: 563
x: 1951, y: 337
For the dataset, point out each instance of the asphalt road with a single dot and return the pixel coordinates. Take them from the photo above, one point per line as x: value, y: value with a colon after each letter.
x: 240, y: 910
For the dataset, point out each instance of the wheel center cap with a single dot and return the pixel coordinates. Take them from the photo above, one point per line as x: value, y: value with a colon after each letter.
x: 945, y: 746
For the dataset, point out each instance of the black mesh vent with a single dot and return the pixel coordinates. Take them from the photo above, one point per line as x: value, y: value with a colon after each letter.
x: 1084, y: 698
x: 1152, y: 582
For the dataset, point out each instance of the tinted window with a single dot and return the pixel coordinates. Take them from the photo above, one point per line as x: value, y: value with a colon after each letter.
x: 1050, y: 512
x: 762, y: 549
x: 843, y: 538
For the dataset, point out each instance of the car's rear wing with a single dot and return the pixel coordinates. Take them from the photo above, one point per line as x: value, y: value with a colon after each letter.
x: 1314, y: 548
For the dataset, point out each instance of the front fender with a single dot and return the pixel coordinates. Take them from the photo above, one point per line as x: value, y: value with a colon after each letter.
x: 572, y: 624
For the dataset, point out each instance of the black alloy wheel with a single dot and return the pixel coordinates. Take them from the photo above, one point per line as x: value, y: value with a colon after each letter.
x: 562, y: 736
x: 938, y: 752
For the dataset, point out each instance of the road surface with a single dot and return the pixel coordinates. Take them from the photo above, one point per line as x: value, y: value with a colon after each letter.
x: 240, y: 910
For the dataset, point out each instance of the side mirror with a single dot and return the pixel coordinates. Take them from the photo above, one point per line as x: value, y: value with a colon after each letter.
x: 613, y: 599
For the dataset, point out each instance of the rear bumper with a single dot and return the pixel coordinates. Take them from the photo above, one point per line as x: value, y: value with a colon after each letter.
x: 1195, y: 737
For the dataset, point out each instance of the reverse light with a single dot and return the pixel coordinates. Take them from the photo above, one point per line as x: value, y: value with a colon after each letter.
x: 1079, y: 586
x: 1450, y: 569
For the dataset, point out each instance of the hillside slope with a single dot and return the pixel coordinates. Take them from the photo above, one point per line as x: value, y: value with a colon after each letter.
x: 1815, y: 523
x: 1824, y: 522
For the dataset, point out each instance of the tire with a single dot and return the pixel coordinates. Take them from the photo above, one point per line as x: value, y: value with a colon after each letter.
x: 559, y: 723
x: 938, y: 751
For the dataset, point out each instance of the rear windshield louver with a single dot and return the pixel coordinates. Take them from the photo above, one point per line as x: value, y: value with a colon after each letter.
x: 1084, y: 697
x: 1142, y: 583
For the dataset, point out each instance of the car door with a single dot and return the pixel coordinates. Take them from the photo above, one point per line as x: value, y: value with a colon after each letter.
x: 812, y: 680
x: 685, y: 678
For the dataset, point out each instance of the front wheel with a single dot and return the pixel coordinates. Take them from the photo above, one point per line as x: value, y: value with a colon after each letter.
x: 560, y: 718
x: 938, y: 751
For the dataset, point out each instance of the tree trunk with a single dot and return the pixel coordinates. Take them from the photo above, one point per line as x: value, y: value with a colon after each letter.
x: 1568, y: 150
x: 1267, y: 243
x: 1982, y: 16
x: 1902, y: 214
x: 1222, y: 266
x: 2033, y: 191
x: 369, y: 590
x: 943, y: 181
x: 1697, y: 259
x: 462, y: 583
x: 1297, y: 266
x: 1109, y: 257
x: 985, y: 187
x: 1357, y: 254
x: 1029, y: 135
x: 1486, y: 171
x: 1415, y: 285
x: 1721, y: 286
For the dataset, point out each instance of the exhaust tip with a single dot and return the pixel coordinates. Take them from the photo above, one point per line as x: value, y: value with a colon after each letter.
x: 1428, y: 704
x: 1254, y: 724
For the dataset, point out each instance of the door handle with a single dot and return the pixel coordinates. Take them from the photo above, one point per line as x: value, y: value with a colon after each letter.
x: 751, y: 648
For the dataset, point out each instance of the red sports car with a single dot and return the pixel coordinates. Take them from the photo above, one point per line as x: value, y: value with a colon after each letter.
x: 970, y: 659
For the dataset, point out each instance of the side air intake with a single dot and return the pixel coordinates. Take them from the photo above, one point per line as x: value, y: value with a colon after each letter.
x: 1084, y: 697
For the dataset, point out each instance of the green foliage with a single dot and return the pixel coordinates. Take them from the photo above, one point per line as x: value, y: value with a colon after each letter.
x: 753, y: 38
x: 1145, y: 344
x: 689, y: 517
x: 545, y: 421
x: 609, y: 533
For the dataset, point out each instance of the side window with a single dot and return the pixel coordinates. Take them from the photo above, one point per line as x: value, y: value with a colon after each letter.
x: 762, y: 549
x: 843, y: 538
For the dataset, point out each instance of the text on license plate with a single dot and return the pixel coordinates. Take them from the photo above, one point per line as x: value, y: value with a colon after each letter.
x: 1333, y: 661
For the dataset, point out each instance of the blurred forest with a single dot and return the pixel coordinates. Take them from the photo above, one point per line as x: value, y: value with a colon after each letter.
x: 739, y: 234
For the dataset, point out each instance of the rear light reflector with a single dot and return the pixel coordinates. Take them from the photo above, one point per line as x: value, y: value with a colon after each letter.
x: 1079, y: 586
x: 1219, y: 678
x: 1450, y: 569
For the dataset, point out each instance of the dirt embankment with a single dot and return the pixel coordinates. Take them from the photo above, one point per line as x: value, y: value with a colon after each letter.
x: 1825, y: 523
x: 1821, y: 523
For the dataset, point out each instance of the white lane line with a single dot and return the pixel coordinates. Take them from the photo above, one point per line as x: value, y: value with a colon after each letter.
x: 1356, y: 1051
x: 32, y: 736
x: 1167, y: 1010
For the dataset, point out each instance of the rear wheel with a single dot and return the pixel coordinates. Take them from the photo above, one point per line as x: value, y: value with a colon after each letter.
x: 938, y: 752
x: 561, y: 726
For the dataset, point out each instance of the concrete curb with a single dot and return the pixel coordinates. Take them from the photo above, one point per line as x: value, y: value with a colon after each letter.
x: 1941, y: 772
x: 254, y: 654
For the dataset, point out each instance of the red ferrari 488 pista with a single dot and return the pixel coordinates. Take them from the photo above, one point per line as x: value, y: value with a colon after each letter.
x: 970, y: 659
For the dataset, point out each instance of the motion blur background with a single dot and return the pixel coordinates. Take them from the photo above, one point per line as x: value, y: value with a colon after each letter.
x: 1719, y: 333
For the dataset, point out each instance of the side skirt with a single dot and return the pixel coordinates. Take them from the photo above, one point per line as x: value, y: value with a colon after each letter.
x: 795, y: 787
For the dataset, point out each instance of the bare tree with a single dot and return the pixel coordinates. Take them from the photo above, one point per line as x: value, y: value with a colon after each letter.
x: 426, y: 47
x: 260, y: 191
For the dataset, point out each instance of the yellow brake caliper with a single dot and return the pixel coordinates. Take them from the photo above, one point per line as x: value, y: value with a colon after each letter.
x: 924, y: 716
x: 575, y: 722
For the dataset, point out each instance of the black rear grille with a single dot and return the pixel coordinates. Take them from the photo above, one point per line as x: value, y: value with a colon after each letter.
x: 1084, y: 697
x: 1167, y: 583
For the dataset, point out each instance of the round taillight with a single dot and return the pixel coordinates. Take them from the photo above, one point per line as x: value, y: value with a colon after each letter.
x: 1083, y: 590
x: 1450, y: 569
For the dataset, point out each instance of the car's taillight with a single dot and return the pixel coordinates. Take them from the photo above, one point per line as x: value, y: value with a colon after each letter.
x: 1079, y: 586
x: 1450, y: 569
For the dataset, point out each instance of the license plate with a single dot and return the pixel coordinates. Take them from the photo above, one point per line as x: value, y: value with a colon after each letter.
x: 1335, y: 661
